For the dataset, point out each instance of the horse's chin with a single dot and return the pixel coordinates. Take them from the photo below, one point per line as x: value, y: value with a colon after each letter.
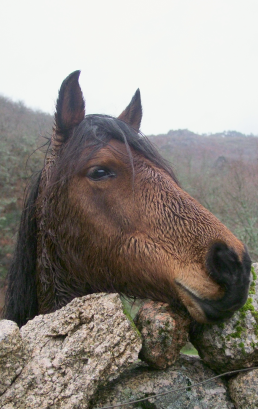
x: 188, y: 299
x: 204, y: 311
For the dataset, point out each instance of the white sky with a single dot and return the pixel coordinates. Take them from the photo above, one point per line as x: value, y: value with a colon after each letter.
x: 195, y: 61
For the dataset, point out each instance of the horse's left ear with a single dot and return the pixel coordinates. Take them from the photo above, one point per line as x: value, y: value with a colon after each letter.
x: 70, y: 108
x: 132, y: 114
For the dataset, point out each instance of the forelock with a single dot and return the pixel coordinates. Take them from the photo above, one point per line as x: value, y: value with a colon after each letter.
x: 95, y: 132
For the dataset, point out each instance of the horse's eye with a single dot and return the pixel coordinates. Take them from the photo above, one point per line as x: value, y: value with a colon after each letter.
x: 99, y: 173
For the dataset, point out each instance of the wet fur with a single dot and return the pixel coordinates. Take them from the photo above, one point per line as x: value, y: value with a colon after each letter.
x: 139, y: 234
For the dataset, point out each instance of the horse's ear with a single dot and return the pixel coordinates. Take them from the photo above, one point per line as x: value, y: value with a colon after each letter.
x: 132, y: 114
x: 70, y: 108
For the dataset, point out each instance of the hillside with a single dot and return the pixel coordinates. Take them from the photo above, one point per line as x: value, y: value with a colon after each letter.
x: 22, y: 132
x: 219, y: 170
x: 231, y: 144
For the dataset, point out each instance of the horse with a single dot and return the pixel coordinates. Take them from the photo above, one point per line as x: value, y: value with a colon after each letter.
x: 107, y: 214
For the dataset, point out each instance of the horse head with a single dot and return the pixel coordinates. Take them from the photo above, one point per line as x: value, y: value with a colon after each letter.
x: 109, y: 215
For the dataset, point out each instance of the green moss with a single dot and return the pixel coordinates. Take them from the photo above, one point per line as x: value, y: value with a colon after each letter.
x: 238, y: 332
x: 253, y: 273
x: 252, y: 285
x: 242, y: 346
x: 247, y: 307
x: 242, y: 314
x: 249, y: 303
x: 252, y: 288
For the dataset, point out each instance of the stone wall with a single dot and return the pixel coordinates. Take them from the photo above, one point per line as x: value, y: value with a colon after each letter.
x: 86, y: 356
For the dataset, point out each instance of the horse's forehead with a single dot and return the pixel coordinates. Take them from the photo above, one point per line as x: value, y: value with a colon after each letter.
x: 117, y: 155
x: 113, y: 149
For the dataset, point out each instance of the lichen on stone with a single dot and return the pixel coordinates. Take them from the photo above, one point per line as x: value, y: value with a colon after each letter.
x: 163, y: 333
x: 233, y: 344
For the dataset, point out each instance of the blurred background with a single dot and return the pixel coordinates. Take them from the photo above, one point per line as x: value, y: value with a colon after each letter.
x: 196, y: 64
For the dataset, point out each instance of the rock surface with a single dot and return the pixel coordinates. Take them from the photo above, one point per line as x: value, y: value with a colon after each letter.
x: 233, y: 344
x: 164, y: 333
x: 71, y: 352
x: 12, y: 354
x: 244, y: 390
x: 85, y: 356
x: 143, y: 382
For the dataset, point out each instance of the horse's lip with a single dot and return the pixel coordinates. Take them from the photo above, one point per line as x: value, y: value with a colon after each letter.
x: 209, y: 310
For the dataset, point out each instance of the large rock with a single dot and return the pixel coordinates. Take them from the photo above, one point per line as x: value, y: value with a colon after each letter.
x: 84, y: 356
x: 71, y: 353
x: 233, y: 344
x: 12, y: 354
x: 244, y: 390
x: 164, y: 333
x: 142, y: 382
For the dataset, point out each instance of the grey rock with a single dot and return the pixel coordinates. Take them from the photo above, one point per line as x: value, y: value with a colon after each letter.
x: 141, y: 381
x: 84, y: 356
x: 164, y: 333
x: 244, y: 390
x: 233, y: 344
x: 73, y: 351
x: 12, y: 353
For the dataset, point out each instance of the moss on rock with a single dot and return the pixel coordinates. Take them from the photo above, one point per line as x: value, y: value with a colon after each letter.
x: 233, y: 344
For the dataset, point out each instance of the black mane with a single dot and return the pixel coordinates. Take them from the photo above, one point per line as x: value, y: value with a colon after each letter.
x: 21, y: 290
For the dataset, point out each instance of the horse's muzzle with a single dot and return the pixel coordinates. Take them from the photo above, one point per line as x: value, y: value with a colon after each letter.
x: 233, y: 275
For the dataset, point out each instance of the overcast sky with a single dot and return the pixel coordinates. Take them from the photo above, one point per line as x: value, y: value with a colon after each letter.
x: 195, y: 61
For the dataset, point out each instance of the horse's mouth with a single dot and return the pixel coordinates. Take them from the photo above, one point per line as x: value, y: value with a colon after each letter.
x: 230, y: 273
x: 204, y: 310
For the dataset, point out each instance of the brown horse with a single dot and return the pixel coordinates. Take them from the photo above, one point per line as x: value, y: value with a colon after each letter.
x: 107, y: 214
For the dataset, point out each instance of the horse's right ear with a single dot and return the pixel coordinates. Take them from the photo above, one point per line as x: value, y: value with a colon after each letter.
x: 70, y: 109
x: 132, y: 114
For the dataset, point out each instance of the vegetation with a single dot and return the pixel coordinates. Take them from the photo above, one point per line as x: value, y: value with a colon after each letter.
x: 189, y: 349
x: 21, y: 131
x: 218, y: 170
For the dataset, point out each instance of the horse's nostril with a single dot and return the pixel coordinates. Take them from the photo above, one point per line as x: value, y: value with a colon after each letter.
x: 225, y: 268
